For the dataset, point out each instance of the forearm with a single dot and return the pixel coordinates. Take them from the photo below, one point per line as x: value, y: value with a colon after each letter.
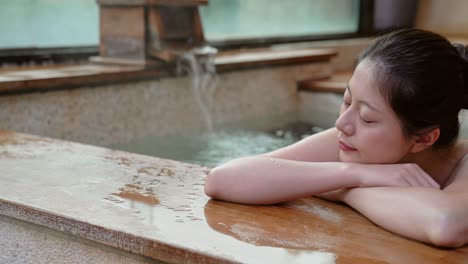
x: 424, y: 214
x: 262, y: 180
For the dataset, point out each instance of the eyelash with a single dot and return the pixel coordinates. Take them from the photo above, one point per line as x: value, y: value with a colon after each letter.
x: 365, y: 121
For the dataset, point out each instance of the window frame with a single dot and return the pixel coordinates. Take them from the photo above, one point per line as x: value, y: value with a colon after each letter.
x: 37, y: 56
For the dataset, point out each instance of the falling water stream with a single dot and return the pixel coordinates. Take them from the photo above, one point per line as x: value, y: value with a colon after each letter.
x: 199, y: 64
x: 228, y: 141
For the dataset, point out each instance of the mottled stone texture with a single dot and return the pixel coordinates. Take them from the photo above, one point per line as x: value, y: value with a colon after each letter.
x: 22, y: 242
x: 117, y: 113
x: 141, y: 204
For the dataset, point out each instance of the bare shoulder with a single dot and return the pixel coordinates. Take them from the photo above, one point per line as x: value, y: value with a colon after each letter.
x: 458, y: 181
x: 320, y: 147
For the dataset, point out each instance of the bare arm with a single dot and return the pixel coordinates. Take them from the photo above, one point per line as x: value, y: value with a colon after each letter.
x: 428, y: 215
x: 280, y: 175
x: 263, y: 180
x: 289, y: 173
x: 438, y: 217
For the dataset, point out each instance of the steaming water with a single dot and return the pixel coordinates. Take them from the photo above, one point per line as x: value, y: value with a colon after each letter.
x: 211, y: 149
x: 214, y: 147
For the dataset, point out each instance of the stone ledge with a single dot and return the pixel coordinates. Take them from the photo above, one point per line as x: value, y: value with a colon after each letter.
x: 101, y: 194
x: 265, y: 58
x: 335, y: 84
x: 33, y: 79
x: 13, y: 81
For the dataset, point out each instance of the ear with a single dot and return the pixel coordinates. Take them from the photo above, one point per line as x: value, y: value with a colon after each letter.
x: 425, y: 140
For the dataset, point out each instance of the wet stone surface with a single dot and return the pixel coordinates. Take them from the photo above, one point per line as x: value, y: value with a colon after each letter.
x: 157, y: 208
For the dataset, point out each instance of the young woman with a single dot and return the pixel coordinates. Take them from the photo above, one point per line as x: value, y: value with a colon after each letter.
x: 393, y: 155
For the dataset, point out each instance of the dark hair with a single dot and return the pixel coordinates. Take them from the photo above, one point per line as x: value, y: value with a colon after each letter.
x: 423, y: 78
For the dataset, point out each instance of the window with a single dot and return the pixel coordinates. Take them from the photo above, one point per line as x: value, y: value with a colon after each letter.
x: 48, y: 23
x: 243, y: 20
x: 55, y: 30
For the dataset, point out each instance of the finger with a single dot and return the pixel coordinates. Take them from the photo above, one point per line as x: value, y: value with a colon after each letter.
x: 425, y: 179
x: 409, y: 174
x: 425, y: 182
x: 412, y: 180
x: 421, y: 178
x: 428, y: 180
x: 431, y: 181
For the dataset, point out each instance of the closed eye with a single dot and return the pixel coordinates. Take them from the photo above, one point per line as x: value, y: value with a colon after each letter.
x: 366, y: 121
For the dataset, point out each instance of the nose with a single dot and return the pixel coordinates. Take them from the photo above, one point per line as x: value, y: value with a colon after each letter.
x: 344, y: 124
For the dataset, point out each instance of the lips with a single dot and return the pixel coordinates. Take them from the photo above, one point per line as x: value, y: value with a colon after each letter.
x: 345, y: 147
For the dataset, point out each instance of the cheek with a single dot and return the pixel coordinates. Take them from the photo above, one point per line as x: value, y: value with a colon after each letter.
x: 382, y: 146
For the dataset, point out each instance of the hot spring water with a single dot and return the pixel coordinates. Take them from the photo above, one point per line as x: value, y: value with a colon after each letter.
x: 221, y: 144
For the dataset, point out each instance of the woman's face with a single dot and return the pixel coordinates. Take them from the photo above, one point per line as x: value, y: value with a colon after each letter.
x: 369, y: 131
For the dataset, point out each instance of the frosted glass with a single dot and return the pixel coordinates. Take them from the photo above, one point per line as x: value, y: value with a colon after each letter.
x: 241, y: 19
x: 48, y: 23
x: 60, y: 23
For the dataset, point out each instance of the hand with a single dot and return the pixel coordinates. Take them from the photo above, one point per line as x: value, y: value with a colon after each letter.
x: 395, y: 175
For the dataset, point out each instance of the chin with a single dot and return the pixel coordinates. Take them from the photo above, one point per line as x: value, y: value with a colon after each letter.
x: 347, y: 157
x: 353, y: 157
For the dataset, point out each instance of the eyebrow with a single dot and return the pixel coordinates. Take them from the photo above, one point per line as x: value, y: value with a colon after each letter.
x: 361, y: 101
